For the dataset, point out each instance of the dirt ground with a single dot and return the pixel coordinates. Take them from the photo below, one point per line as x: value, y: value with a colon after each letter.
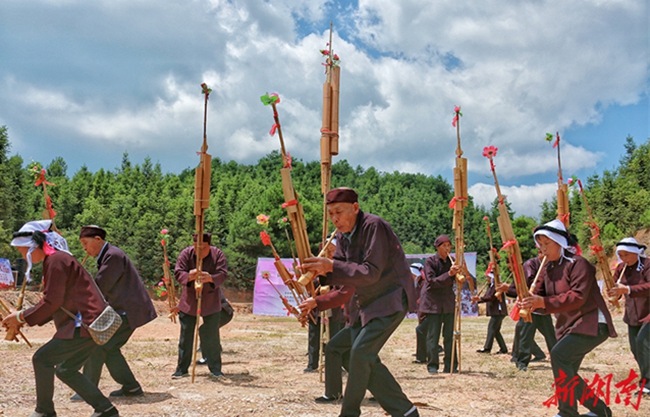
x: 264, y: 358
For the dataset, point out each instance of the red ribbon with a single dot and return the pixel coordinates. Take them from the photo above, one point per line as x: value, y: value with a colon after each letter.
x: 565, y: 218
x: 593, y: 225
x: 266, y: 239
x: 452, y: 203
x: 329, y: 132
x: 48, y: 206
x: 290, y: 203
x: 42, y: 179
x: 508, y: 244
x: 595, y: 249
x: 453, y: 122
x: 287, y: 162
x: 496, y: 252
x: 273, y: 129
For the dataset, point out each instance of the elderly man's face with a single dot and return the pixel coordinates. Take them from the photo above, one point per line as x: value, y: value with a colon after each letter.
x: 343, y: 215
x: 92, y: 245
x: 444, y: 249
x: 205, y: 249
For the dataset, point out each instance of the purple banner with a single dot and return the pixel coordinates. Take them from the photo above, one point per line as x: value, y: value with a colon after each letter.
x: 266, y: 301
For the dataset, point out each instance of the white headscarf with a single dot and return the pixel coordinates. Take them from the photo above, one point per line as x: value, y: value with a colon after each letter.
x: 559, y: 235
x: 629, y: 244
x: 52, y: 239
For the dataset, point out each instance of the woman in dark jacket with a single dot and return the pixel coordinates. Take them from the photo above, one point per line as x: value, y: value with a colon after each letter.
x: 570, y: 291
x: 65, y: 284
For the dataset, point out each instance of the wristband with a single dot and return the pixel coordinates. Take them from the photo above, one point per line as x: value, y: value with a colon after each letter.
x: 21, y: 321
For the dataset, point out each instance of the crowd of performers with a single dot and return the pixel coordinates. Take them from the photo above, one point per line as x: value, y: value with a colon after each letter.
x: 368, y: 274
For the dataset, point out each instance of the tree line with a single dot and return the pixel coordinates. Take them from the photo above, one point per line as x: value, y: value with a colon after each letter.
x: 134, y: 202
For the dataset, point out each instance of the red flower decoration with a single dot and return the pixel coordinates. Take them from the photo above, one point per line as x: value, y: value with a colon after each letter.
x: 490, y: 151
x: 485, y: 218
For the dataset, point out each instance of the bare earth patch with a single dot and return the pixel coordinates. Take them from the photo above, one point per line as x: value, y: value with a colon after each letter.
x: 264, y: 358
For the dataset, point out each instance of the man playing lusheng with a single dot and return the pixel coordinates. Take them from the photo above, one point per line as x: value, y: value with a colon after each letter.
x: 437, y: 302
x: 370, y: 258
x: 213, y: 274
x: 122, y: 287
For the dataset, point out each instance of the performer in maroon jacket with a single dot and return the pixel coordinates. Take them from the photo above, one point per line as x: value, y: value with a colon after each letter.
x: 122, y: 287
x: 214, y: 273
x: 635, y: 284
x: 437, y: 302
x: 570, y: 291
x: 65, y: 284
x: 495, y: 309
x: 370, y: 258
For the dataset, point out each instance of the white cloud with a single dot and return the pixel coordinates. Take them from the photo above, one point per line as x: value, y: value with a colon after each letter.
x: 518, y: 69
x: 525, y: 200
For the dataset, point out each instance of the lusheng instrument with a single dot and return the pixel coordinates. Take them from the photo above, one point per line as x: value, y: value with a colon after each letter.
x: 493, y: 266
x: 510, y: 244
x: 329, y: 141
x: 598, y: 250
x: 11, y: 334
x: 291, y: 204
x: 563, y: 213
x: 458, y: 204
x: 531, y: 290
x: 201, y: 203
x: 168, y: 281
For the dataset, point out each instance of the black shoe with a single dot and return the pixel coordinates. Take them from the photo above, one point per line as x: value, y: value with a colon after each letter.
x: 76, y: 398
x: 538, y: 358
x: 180, y: 374
x: 202, y: 361
x: 217, y: 376
x: 326, y: 400
x: 39, y: 414
x: 309, y: 369
x: 483, y: 350
x: 432, y: 371
x: 111, y: 412
x: 502, y: 352
x: 513, y: 359
x: 522, y: 367
x: 127, y: 393
x: 418, y: 361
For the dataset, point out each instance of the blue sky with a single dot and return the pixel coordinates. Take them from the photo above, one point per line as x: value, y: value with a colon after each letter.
x: 89, y: 80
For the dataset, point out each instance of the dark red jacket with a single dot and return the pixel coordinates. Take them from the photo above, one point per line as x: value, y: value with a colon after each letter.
x: 215, y: 264
x: 336, y: 298
x: 122, y: 286
x: 66, y: 284
x: 571, y: 292
x: 374, y: 263
x: 494, y: 307
x: 437, y: 294
x: 637, y: 302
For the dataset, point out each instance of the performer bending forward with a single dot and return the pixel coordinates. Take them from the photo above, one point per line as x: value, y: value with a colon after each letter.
x: 65, y: 284
x: 570, y: 291
x: 369, y: 257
